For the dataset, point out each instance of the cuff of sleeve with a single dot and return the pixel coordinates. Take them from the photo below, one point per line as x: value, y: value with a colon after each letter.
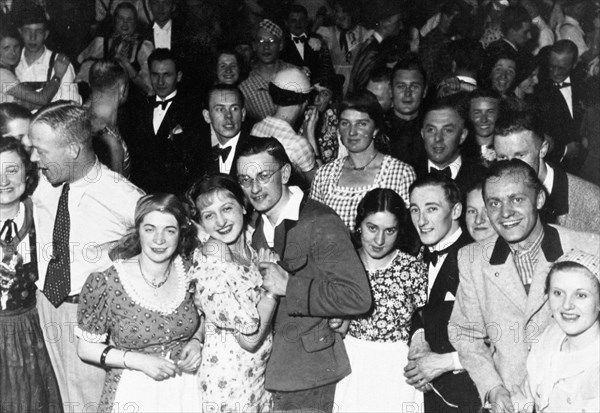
x: 90, y: 337
x: 457, y: 366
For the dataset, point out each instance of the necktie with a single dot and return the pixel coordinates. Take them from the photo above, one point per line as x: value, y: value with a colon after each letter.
x: 223, y: 153
x: 562, y: 85
x: 443, y: 172
x: 58, y: 277
x: 9, y: 231
x: 343, y: 41
x: 299, y: 39
x: 162, y: 103
x: 431, y: 257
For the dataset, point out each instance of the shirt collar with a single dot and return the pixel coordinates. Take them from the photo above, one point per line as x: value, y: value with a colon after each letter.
x: 572, y: 21
x: 291, y: 211
x: 77, y: 189
x: 19, y: 218
x: 511, y: 44
x: 454, y: 166
x: 467, y: 79
x: 231, y: 142
x: 170, y: 96
x: 532, y: 249
x: 165, y: 28
x: 549, y: 181
x: 448, y: 240
x: 378, y: 37
x: 551, y: 247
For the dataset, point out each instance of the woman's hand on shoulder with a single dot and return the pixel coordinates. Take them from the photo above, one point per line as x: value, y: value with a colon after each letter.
x: 156, y: 367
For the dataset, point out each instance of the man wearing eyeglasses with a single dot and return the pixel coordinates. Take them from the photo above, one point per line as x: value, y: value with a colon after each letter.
x: 267, y: 46
x: 318, y: 277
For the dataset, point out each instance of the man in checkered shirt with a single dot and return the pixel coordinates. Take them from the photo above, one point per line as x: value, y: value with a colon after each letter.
x: 290, y: 91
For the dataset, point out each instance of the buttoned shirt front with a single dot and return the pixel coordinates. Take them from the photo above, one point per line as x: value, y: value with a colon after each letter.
x: 159, y: 113
x: 37, y: 71
x: 567, y: 93
x: 225, y: 167
x: 101, y: 211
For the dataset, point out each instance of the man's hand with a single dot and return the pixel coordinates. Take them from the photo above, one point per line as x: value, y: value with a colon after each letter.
x: 426, y: 367
x: 500, y: 400
x: 418, y: 345
x: 275, y: 278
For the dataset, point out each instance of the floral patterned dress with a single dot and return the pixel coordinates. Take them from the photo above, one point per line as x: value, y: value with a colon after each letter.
x: 231, y: 378
x: 377, y: 343
x: 111, y: 309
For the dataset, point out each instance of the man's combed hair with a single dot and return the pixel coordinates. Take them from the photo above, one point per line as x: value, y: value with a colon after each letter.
x: 69, y: 120
x: 255, y: 145
x: 220, y: 88
x: 106, y: 74
x: 565, y: 46
x: 515, y: 115
x: 451, y: 191
x: 160, y: 55
x: 411, y: 61
x: 519, y: 170
x: 513, y: 18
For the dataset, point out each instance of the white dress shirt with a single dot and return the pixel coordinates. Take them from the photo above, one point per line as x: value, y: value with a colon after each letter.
x: 101, y: 211
x: 549, y: 180
x: 38, y: 72
x: 162, y: 35
x: 160, y: 113
x: 434, y: 270
x: 454, y: 166
x: 299, y: 45
x: 567, y: 93
x: 291, y: 212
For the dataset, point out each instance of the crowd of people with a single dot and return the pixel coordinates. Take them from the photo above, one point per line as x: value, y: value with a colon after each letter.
x: 324, y: 205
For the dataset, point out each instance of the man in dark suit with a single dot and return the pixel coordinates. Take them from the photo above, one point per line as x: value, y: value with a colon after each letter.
x: 386, y: 14
x: 516, y: 31
x: 322, y: 277
x: 559, y: 99
x: 443, y: 132
x: 225, y: 113
x: 165, y: 146
x: 305, y: 49
x: 433, y: 361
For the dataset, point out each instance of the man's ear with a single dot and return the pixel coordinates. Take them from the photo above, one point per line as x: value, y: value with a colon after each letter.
x: 206, y: 115
x: 544, y: 149
x: 286, y: 173
x: 46, y: 34
x: 463, y: 135
x: 540, y: 199
x: 457, y: 211
x: 243, y: 114
x: 73, y: 149
x: 179, y: 76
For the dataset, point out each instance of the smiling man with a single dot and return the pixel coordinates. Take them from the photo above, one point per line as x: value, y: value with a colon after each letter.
x: 435, y: 210
x: 321, y: 278
x: 500, y: 297
x: 443, y: 132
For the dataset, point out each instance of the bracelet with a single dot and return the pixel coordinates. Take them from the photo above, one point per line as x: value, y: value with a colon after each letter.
x: 270, y: 295
x: 103, y: 356
x: 124, y: 363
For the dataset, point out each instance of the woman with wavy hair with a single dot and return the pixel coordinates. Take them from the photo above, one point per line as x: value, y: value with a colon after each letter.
x: 137, y: 319
x: 341, y: 184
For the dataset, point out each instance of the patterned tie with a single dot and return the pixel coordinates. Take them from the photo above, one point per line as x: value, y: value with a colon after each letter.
x: 58, y: 277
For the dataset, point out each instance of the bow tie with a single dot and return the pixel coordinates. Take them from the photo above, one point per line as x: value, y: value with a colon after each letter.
x: 562, y: 85
x: 431, y: 257
x: 9, y: 231
x: 221, y: 152
x: 162, y: 103
x: 443, y: 172
x: 299, y: 39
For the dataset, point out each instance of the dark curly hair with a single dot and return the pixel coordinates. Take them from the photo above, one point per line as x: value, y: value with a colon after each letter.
x: 129, y: 246
x: 32, y: 176
x: 388, y: 200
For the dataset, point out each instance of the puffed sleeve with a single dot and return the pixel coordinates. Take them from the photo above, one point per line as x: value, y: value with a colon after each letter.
x: 418, y: 276
x: 92, y: 312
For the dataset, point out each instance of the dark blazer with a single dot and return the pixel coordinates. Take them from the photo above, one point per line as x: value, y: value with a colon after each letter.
x: 166, y: 161
x: 326, y: 280
x: 555, y: 117
x: 469, y: 173
x: 318, y: 61
x: 406, y: 142
x: 367, y: 58
x: 211, y: 165
x: 433, y: 318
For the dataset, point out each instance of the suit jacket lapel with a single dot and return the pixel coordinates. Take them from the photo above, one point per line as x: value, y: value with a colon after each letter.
x: 504, y: 275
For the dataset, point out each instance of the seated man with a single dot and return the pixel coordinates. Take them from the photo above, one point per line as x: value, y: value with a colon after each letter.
x: 36, y: 63
x: 500, y: 306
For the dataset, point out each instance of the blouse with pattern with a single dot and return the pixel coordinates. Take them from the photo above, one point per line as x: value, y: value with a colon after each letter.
x: 398, y: 290
x: 393, y: 174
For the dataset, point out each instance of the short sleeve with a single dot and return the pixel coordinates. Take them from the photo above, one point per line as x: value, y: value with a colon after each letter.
x: 418, y: 275
x: 92, y: 313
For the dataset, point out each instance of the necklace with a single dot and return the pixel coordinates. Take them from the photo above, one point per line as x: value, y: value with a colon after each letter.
x: 151, y: 284
x: 362, y: 168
